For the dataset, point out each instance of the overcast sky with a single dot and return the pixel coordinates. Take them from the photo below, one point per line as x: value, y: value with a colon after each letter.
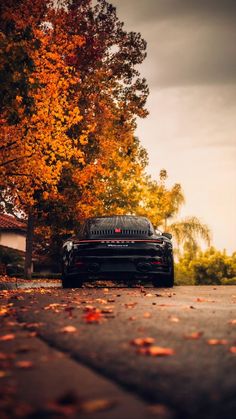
x: 191, y: 72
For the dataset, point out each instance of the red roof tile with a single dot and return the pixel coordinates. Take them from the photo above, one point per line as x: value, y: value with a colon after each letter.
x: 7, y: 222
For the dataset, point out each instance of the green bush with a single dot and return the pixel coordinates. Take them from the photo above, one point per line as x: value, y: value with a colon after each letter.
x: 228, y: 281
x: 211, y: 267
x: 10, y: 257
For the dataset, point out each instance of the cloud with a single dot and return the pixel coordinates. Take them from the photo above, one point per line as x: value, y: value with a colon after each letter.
x: 190, y: 131
x: 162, y: 9
x: 190, y: 42
x: 184, y: 54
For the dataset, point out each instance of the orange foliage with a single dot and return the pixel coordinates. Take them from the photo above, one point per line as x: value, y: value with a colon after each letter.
x: 42, y: 144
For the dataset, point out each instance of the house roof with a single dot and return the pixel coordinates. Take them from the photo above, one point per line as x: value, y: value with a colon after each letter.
x: 8, y: 222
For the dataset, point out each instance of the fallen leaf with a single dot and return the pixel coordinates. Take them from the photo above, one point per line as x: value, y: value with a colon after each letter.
x: 65, y: 406
x: 24, y: 364
x: 193, y: 335
x: 93, y: 317
x: 12, y: 324
x: 161, y: 411
x: 107, y: 310
x: 96, y: 405
x: 156, y: 351
x: 147, y: 315
x: 149, y: 295
x: 174, y: 319
x: 7, y: 337
x: 130, y: 305
x: 232, y: 349
x: 68, y: 329
x: 3, y: 310
x: 217, y: 342
x: 102, y: 301
x: 3, y: 374
x: 204, y: 300
x: 232, y: 321
x: 142, y: 341
x: 51, y: 306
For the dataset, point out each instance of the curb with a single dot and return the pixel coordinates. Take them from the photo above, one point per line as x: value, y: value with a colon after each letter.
x: 20, y: 286
x: 8, y: 286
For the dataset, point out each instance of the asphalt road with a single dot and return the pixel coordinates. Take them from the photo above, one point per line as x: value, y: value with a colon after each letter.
x: 196, y: 326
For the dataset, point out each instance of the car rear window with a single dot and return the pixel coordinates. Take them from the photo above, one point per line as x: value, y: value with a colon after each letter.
x: 120, y: 226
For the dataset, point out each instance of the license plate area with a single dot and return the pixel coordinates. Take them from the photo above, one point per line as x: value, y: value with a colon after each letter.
x: 116, y: 266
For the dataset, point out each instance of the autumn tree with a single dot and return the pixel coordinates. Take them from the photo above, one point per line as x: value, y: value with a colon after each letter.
x: 112, y: 96
x: 37, y: 146
x: 157, y: 201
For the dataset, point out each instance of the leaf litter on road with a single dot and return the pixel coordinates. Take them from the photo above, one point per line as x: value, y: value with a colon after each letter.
x: 142, y: 341
x: 161, y: 411
x: 193, y: 335
x: 173, y: 319
x: 156, y: 351
x: 217, y: 342
x: 93, y: 316
x: 68, y: 329
x: 24, y: 364
x: 9, y: 336
x: 146, y: 347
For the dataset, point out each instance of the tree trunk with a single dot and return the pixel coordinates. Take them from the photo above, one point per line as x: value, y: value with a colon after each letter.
x: 29, y: 244
x: 165, y: 224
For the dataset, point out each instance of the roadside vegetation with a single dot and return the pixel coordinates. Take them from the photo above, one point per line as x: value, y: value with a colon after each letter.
x: 209, y: 267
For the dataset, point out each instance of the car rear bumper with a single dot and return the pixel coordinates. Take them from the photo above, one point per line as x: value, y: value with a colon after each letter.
x: 119, y: 268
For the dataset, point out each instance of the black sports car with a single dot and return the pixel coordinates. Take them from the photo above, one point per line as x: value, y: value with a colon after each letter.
x: 118, y: 247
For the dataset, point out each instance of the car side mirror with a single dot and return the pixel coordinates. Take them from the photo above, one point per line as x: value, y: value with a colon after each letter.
x: 168, y: 235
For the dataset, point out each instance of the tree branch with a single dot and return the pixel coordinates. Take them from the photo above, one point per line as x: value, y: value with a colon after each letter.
x: 3, y: 147
x: 16, y: 159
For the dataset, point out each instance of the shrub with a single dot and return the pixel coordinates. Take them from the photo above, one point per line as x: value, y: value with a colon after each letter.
x: 211, y: 267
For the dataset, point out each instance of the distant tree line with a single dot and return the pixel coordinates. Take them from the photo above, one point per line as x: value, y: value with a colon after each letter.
x: 209, y: 267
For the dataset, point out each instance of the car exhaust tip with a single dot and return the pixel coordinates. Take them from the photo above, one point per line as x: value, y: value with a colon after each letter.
x: 143, y: 267
x: 93, y: 267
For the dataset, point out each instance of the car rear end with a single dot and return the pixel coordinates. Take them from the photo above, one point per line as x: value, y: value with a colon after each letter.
x: 119, y: 248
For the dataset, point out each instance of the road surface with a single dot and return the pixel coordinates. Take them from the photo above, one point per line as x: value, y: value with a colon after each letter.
x: 85, y: 353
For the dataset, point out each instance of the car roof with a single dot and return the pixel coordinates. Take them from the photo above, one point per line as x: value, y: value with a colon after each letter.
x: 122, y: 221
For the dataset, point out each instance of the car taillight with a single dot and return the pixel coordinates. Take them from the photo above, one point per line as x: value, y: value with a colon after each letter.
x: 157, y: 262
x: 79, y: 262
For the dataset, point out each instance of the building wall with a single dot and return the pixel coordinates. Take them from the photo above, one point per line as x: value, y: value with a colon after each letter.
x: 13, y: 240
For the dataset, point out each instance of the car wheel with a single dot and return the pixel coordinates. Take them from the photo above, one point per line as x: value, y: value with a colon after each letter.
x: 76, y: 283
x: 166, y: 281
x: 66, y: 282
